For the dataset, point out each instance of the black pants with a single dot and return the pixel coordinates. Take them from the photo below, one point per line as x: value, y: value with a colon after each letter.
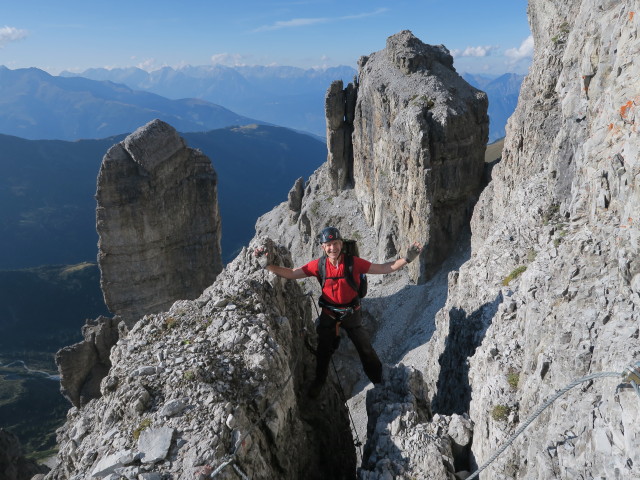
x: 327, y: 344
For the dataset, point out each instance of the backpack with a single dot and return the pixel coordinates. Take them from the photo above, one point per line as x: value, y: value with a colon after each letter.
x: 350, y: 250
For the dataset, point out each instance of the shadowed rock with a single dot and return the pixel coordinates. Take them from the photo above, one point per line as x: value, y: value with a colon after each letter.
x: 404, y: 440
x: 82, y: 366
x: 13, y: 464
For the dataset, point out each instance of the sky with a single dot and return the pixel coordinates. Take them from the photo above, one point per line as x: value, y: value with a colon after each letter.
x: 485, y: 36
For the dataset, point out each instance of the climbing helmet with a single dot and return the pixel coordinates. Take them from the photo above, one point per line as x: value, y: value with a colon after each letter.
x: 329, y: 234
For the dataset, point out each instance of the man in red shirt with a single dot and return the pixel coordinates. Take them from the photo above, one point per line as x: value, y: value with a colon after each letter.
x: 340, y: 301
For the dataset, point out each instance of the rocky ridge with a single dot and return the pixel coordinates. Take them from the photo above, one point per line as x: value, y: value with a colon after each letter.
x: 214, y: 379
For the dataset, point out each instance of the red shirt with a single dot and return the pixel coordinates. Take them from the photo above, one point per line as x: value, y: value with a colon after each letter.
x: 338, y: 291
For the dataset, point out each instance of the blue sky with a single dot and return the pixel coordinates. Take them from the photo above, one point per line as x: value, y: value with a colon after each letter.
x: 488, y: 36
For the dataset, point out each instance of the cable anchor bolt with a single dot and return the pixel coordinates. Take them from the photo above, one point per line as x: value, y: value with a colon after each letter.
x: 632, y: 374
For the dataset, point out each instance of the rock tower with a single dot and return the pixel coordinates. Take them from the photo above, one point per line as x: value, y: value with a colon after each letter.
x: 158, y: 222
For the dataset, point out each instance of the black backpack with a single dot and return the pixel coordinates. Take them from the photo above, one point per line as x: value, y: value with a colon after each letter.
x: 350, y: 250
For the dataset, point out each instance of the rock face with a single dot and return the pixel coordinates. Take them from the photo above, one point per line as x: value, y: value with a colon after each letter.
x: 158, y: 222
x: 551, y: 293
x: 418, y: 140
x: 217, y: 379
x: 339, y: 110
x: 403, y: 438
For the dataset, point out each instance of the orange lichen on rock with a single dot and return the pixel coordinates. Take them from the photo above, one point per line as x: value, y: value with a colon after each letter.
x: 624, y: 109
x: 631, y: 14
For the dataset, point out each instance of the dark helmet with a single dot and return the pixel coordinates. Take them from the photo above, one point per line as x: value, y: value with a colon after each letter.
x: 328, y: 234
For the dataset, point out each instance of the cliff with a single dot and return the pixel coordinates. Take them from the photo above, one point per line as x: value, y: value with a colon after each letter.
x: 550, y: 293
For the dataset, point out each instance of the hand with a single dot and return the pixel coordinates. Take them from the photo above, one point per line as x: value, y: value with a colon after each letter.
x: 412, y: 252
x: 262, y: 255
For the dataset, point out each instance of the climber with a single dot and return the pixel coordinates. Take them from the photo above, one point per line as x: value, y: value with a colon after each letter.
x: 339, y: 301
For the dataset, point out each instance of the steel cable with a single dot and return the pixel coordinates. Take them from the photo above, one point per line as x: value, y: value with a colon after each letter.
x: 537, y: 413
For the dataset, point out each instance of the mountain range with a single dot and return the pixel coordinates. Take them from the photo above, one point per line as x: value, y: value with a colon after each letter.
x: 36, y: 105
x: 286, y: 96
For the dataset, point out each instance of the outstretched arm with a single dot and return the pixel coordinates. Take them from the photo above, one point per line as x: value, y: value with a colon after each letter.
x: 265, y: 262
x: 390, y: 267
x: 290, y: 273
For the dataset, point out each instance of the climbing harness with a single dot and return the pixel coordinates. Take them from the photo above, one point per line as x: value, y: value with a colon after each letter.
x: 631, y: 375
x: 343, y: 311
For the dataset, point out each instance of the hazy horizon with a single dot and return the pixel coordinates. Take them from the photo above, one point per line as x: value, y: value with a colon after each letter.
x: 490, y: 37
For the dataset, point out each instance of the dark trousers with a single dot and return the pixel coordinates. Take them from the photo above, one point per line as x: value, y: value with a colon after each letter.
x: 328, y: 343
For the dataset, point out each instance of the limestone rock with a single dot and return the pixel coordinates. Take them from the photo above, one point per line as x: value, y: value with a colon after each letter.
x: 158, y: 222
x: 295, y: 196
x: 418, y: 142
x: 83, y: 366
x: 410, y: 55
x: 547, y: 296
x: 154, y: 444
x: 403, y: 438
x: 224, y: 374
x: 339, y: 112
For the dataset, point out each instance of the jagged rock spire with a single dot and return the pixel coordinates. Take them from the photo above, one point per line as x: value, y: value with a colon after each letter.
x: 158, y: 222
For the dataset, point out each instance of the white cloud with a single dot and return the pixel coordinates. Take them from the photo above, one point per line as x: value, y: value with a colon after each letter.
x: 479, y: 51
x: 303, y: 22
x: 11, y: 34
x: 525, y: 50
x: 229, y: 59
x: 148, y: 65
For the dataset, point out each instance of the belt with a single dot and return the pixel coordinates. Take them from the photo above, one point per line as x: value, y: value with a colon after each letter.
x: 342, y: 310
